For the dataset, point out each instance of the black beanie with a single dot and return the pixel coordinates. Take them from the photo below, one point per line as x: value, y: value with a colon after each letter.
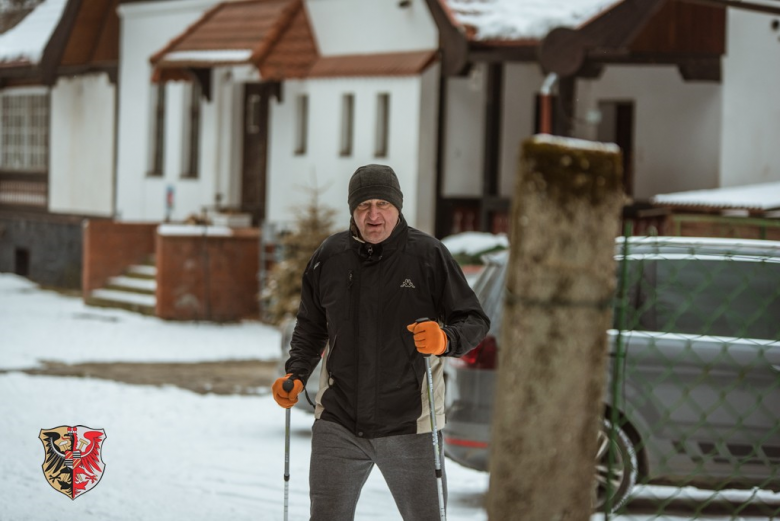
x: 374, y: 182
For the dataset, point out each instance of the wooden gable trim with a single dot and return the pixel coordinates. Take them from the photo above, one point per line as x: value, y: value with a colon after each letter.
x: 453, y: 42
x: 625, y: 33
x: 563, y: 51
x: 55, y: 48
x: 93, y: 44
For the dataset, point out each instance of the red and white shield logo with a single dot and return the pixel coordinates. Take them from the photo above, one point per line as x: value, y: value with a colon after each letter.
x: 73, y: 461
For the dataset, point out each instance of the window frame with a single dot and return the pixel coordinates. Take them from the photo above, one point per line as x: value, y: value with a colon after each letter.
x: 301, y: 124
x: 158, y: 120
x: 347, y: 133
x: 32, y: 142
x: 194, y: 119
x: 382, y: 130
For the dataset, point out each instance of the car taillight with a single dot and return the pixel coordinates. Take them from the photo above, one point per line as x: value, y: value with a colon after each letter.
x: 481, y: 357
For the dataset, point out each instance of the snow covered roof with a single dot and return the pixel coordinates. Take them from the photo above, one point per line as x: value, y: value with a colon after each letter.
x: 522, y: 19
x: 24, y: 44
x: 273, y: 36
x: 757, y: 197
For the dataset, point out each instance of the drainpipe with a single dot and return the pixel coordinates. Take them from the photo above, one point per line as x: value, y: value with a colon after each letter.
x: 545, y: 126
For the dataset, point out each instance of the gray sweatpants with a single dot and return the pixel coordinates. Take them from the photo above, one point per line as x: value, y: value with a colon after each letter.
x: 341, y: 463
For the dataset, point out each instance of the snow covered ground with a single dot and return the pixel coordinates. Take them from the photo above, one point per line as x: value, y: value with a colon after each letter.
x: 172, y: 454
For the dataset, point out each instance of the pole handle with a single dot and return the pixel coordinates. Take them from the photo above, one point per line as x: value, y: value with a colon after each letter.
x: 419, y: 320
x: 288, y: 385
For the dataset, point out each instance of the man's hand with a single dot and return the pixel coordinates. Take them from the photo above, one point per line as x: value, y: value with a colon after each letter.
x: 284, y: 398
x: 428, y: 337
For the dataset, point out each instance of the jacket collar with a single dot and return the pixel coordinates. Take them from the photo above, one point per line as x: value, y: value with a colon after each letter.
x: 377, y: 251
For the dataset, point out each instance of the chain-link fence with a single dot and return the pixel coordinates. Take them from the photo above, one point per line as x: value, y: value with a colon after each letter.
x: 693, y: 421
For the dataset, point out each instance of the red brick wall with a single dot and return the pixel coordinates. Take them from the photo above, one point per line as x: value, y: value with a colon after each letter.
x: 208, y: 278
x: 110, y: 247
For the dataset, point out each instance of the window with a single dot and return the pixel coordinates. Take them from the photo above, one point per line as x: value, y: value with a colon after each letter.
x: 158, y: 132
x: 709, y: 296
x: 25, y: 132
x: 617, y: 126
x: 347, y: 123
x: 382, y: 124
x: 301, y: 124
x: 193, y: 149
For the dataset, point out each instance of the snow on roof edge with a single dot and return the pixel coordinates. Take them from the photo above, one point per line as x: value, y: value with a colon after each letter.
x: 513, y: 20
x: 762, y: 196
x: 26, y: 41
x: 575, y: 143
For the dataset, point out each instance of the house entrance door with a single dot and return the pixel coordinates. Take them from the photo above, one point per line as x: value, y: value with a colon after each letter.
x: 255, y: 150
x: 617, y: 126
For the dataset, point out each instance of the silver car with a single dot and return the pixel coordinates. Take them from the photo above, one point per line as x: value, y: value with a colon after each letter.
x: 699, y: 395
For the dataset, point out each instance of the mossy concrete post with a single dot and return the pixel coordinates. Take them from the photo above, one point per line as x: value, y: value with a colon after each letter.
x: 552, y: 363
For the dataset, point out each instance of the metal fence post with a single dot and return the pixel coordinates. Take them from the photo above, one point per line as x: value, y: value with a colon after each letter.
x: 551, y: 375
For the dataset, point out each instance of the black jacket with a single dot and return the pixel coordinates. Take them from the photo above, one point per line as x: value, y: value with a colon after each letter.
x: 358, y: 298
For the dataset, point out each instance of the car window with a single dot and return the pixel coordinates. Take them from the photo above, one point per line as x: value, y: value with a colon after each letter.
x: 490, y: 291
x: 628, y: 310
x: 706, y: 296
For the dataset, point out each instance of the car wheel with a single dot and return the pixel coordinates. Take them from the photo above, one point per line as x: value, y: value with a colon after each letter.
x: 614, y: 483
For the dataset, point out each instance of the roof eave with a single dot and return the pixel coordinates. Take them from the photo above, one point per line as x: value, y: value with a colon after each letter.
x: 45, y: 69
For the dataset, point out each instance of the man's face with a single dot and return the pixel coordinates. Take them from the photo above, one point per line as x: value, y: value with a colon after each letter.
x: 375, y: 219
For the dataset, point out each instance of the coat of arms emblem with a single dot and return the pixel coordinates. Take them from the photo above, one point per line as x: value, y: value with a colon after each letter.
x: 73, y: 463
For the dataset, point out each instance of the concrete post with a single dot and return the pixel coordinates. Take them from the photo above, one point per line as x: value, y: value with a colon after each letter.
x: 552, y: 363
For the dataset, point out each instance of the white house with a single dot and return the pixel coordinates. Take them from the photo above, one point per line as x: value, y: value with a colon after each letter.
x: 155, y: 179
x: 298, y: 94
x: 376, y: 104
x: 294, y: 96
x: 750, y: 129
x: 693, y: 105
x: 57, y: 132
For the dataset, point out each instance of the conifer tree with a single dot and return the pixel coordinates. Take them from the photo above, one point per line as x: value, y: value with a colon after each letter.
x: 313, y: 224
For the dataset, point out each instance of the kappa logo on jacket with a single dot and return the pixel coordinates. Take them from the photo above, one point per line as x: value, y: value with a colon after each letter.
x: 407, y: 284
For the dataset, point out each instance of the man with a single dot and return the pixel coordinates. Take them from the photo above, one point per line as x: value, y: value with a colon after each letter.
x: 363, y: 291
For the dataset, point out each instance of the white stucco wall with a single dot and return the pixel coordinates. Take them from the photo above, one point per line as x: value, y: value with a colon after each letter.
x: 146, y: 28
x: 321, y: 166
x: 521, y: 84
x: 375, y: 26
x: 464, y: 124
x: 676, y: 125
x: 751, y: 100
x: 676, y: 136
x: 428, y: 141
x: 81, y: 175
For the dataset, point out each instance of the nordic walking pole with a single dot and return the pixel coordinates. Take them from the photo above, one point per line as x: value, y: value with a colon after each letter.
x: 434, y: 434
x: 287, y: 386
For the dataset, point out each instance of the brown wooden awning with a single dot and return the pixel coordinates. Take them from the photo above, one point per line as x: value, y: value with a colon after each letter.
x: 276, y: 37
x: 272, y: 35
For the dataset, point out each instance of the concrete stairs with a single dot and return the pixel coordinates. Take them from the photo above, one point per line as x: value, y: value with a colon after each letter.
x: 133, y: 291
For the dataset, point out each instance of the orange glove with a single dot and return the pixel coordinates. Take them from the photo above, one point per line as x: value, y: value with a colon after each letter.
x: 284, y: 398
x: 428, y: 337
